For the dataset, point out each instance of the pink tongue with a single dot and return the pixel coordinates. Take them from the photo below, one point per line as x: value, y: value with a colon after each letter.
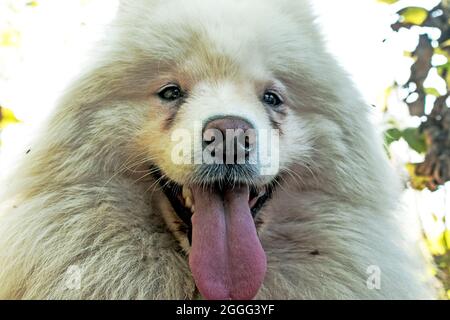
x: 226, y: 258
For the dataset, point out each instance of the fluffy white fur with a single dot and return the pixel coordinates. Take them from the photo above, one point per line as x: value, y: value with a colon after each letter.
x: 81, y: 196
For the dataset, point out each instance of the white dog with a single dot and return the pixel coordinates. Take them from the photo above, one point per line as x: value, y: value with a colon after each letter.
x: 100, y: 209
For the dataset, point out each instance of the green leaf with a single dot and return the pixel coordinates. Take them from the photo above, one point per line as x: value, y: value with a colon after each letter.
x: 9, y: 38
x: 388, y: 1
x: 413, y: 15
x: 415, y: 140
x: 32, y: 4
x: 7, y: 117
x: 432, y: 92
x: 442, y: 51
x: 442, y: 68
x: 444, y: 72
x: 417, y: 182
x: 392, y: 135
x: 445, y: 44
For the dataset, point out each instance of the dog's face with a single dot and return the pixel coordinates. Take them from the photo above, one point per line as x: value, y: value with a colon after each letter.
x: 224, y: 101
x: 219, y: 74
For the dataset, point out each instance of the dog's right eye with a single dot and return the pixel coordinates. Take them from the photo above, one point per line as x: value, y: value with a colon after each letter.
x: 170, y: 93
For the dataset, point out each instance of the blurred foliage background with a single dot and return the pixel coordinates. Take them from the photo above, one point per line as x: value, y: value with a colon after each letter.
x: 426, y: 94
x: 397, y: 50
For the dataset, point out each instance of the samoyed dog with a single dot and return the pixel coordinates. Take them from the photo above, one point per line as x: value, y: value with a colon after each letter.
x: 212, y: 149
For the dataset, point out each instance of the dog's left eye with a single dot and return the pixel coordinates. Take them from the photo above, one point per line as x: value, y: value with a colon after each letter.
x: 272, y: 99
x: 170, y: 93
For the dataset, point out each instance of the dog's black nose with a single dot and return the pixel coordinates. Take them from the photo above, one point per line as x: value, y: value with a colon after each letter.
x: 237, y: 138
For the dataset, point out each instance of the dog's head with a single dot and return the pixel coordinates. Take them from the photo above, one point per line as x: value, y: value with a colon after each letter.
x: 218, y: 100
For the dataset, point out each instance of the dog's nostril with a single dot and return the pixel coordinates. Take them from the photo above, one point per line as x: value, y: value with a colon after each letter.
x: 248, y: 144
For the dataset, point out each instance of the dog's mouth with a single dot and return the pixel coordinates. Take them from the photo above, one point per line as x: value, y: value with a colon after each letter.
x: 226, y: 257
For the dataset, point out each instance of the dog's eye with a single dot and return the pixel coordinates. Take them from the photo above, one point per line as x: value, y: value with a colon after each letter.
x: 272, y: 99
x: 170, y: 93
